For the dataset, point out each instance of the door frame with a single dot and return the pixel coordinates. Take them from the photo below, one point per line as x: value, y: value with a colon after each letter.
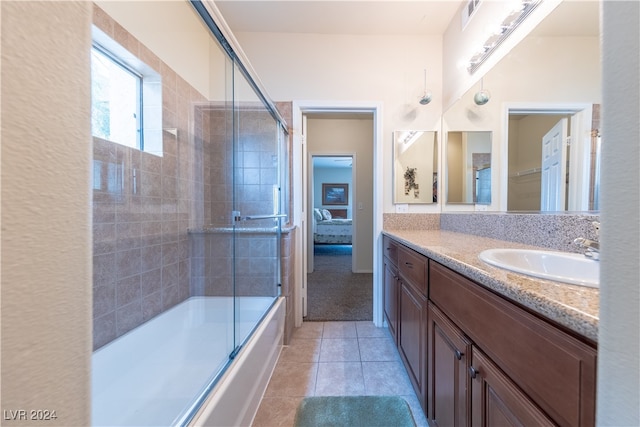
x: 300, y: 196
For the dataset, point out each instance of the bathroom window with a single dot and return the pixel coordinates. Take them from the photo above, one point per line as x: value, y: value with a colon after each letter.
x: 126, y: 97
x: 116, y: 99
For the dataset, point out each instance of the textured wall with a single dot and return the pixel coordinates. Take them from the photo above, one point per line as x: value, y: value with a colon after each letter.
x: 618, y: 339
x: 46, y: 236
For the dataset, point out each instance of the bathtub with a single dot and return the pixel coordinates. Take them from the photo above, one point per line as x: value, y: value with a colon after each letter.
x: 175, y: 369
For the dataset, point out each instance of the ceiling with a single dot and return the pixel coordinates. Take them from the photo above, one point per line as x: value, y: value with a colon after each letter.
x: 415, y: 17
x: 332, y: 162
x: 430, y: 17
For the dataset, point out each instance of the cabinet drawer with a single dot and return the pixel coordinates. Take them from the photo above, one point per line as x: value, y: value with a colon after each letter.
x: 413, y: 269
x: 390, y: 249
x: 555, y: 369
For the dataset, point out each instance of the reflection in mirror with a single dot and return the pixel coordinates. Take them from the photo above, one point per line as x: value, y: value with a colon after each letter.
x: 469, y: 167
x: 553, y: 159
x: 556, y: 64
x: 415, y: 166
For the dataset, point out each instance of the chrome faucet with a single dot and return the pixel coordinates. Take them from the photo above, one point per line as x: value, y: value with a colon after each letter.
x: 592, y: 247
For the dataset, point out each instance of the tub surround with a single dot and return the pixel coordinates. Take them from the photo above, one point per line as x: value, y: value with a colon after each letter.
x: 212, y: 263
x: 164, y: 387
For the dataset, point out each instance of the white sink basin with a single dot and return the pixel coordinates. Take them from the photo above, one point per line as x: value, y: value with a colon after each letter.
x: 559, y: 266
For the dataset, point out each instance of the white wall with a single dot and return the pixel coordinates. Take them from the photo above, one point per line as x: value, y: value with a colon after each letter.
x: 46, y: 207
x: 619, y: 337
x: 355, y: 68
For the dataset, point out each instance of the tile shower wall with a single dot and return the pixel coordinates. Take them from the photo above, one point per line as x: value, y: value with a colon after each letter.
x: 250, y: 172
x: 143, y: 205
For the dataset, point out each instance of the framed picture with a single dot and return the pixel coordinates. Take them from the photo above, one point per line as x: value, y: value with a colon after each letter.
x: 335, y: 194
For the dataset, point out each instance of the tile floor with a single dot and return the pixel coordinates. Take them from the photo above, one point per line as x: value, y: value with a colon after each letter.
x: 335, y: 358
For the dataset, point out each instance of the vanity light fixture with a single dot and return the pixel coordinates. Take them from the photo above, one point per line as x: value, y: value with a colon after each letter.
x: 409, y: 137
x: 513, y: 19
x: 482, y: 96
x: 426, y: 98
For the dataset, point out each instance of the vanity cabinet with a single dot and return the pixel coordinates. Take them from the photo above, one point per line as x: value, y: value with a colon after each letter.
x: 412, y: 325
x: 476, y: 358
x: 391, y: 286
x: 530, y: 369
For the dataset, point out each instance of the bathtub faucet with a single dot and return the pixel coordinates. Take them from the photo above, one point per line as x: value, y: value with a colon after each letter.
x: 592, y: 246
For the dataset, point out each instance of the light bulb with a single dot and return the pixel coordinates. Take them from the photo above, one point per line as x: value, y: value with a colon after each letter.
x: 426, y: 98
x: 481, y: 97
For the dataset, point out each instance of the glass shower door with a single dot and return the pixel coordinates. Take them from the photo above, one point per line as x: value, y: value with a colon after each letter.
x: 256, y: 207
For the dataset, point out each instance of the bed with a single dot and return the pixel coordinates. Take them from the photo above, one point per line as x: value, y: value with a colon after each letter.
x: 332, y: 227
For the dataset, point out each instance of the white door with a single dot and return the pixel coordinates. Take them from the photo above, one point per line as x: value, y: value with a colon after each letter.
x: 579, y: 161
x: 554, y: 168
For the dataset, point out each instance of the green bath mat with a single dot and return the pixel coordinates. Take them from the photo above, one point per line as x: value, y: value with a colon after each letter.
x: 365, y: 411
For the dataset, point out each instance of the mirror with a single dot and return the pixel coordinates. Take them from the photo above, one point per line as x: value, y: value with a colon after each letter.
x: 415, y: 166
x: 469, y: 167
x: 553, y: 72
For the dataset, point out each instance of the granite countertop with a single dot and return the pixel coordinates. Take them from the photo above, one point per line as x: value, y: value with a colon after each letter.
x: 575, y: 307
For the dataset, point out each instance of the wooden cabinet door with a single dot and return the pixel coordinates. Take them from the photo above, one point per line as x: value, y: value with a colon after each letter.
x: 448, y: 362
x: 412, y: 338
x: 497, y: 401
x: 391, y: 298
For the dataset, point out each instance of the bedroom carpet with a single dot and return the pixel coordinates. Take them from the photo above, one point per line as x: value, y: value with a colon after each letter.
x: 334, y: 293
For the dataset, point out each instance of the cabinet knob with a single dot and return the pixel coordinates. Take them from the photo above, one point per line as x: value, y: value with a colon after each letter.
x: 459, y: 355
x: 473, y: 373
x: 408, y: 264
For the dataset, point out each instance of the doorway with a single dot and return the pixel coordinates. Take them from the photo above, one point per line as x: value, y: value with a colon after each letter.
x: 300, y: 110
x: 339, y: 209
x: 331, y: 194
x: 335, y: 292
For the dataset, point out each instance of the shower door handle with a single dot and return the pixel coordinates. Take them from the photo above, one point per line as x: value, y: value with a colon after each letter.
x: 253, y: 217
